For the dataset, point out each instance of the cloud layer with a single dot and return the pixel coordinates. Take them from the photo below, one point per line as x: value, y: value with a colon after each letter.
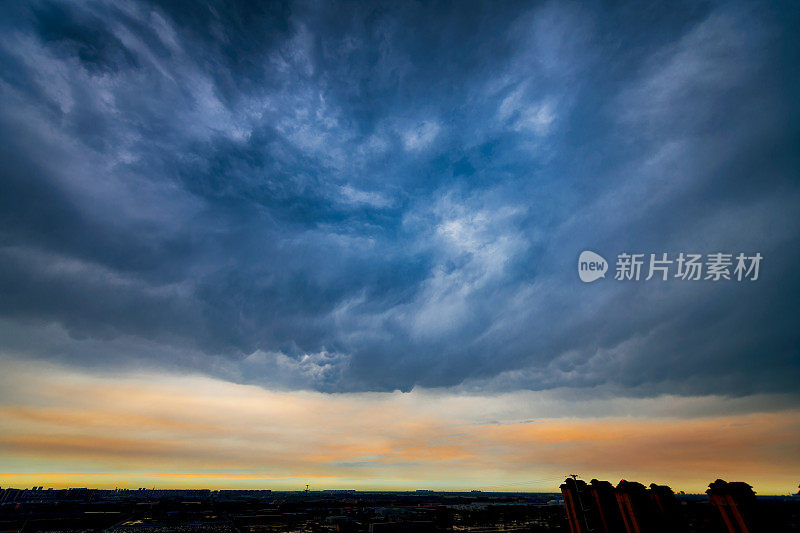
x: 370, y: 198
x: 149, y: 429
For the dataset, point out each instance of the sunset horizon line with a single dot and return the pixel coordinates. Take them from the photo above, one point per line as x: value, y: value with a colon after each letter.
x: 422, y: 489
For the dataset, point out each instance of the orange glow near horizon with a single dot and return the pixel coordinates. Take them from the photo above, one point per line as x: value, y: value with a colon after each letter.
x: 63, y: 428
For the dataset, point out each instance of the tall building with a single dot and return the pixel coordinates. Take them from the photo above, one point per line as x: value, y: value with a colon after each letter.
x: 577, y: 502
x: 629, y: 508
x: 666, y: 508
x: 636, y: 508
x: 737, y: 505
x: 604, y: 500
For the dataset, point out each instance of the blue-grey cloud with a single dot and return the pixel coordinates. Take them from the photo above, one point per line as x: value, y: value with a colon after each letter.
x: 370, y: 196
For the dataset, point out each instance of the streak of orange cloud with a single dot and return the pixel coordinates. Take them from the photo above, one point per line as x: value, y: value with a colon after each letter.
x: 197, y: 431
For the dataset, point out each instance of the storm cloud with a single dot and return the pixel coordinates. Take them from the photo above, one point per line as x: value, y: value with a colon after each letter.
x: 371, y: 197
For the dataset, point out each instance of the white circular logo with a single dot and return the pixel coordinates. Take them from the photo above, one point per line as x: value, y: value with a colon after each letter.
x: 591, y: 266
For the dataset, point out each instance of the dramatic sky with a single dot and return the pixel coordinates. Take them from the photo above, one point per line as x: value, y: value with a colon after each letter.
x: 265, y: 244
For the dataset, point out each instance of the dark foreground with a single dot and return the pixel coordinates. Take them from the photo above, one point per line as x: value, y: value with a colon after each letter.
x: 326, y: 511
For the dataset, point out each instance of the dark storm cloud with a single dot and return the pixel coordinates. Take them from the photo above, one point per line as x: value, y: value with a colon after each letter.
x: 367, y: 197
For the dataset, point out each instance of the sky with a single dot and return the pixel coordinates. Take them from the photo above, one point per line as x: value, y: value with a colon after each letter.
x: 270, y: 244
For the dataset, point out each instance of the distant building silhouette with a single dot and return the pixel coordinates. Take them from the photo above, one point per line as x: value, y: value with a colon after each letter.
x: 736, y: 503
